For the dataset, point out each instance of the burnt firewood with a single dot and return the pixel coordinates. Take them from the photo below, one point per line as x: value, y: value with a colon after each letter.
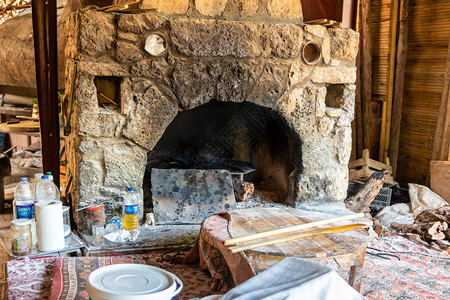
x: 427, y: 231
x: 437, y: 230
x: 242, y: 189
x: 364, y: 196
x: 441, y: 214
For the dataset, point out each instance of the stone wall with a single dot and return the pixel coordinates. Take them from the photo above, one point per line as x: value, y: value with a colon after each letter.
x: 204, y: 59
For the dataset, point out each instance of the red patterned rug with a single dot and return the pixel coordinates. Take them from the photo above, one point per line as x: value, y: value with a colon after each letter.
x: 420, y: 273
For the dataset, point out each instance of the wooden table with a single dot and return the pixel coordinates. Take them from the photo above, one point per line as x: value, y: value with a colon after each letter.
x: 347, y: 248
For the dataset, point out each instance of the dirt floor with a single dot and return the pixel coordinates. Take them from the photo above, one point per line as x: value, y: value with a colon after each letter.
x: 5, y: 219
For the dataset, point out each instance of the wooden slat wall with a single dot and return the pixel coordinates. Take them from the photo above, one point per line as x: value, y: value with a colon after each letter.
x: 428, y: 38
x: 380, y: 34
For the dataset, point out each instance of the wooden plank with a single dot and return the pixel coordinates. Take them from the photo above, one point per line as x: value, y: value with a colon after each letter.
x: 366, y: 69
x: 16, y: 111
x: 398, y: 85
x: 387, y: 106
x: 440, y: 178
x: 441, y: 146
x: 20, y: 127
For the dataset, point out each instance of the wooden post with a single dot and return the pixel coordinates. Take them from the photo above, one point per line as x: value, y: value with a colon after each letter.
x: 398, y: 85
x: 387, y: 105
x: 45, y: 49
x: 441, y: 146
x: 366, y: 70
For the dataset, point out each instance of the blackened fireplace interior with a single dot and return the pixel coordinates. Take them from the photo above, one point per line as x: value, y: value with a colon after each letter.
x: 239, y: 137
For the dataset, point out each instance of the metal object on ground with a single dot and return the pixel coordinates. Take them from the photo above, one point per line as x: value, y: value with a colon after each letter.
x: 189, y: 196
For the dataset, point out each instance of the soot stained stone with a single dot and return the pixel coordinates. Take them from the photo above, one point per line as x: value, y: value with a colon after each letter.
x: 190, y: 195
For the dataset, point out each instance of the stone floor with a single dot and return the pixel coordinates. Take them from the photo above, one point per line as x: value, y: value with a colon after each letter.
x: 5, y: 219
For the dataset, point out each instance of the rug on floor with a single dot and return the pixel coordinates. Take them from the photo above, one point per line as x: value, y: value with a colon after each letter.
x: 420, y: 273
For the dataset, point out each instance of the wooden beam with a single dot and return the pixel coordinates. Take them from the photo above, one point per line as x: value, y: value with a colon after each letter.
x: 441, y: 143
x: 366, y: 70
x: 387, y: 105
x: 45, y: 49
x: 398, y: 85
x: 357, y: 124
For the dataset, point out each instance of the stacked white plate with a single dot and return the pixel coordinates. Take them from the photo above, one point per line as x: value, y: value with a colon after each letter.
x: 132, y: 282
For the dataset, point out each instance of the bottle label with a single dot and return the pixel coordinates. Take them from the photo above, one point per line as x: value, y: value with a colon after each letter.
x: 25, y: 211
x: 131, y: 209
x: 20, y: 245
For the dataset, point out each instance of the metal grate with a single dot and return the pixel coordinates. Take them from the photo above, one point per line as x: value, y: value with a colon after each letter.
x: 382, y: 200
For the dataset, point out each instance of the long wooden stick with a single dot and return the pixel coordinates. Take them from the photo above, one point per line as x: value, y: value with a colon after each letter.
x: 291, y: 237
x: 271, y: 233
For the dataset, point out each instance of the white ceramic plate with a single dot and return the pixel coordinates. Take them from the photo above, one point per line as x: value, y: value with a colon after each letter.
x: 132, y: 281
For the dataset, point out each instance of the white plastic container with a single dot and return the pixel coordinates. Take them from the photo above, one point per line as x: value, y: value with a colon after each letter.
x: 132, y: 282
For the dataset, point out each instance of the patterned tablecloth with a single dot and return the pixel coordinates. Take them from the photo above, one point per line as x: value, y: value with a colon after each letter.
x: 420, y: 273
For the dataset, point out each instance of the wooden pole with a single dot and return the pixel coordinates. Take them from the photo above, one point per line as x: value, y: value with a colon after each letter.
x: 358, y: 124
x: 387, y: 105
x: 271, y: 233
x: 366, y: 70
x: 398, y: 85
x: 297, y: 236
x: 45, y: 49
x: 441, y: 145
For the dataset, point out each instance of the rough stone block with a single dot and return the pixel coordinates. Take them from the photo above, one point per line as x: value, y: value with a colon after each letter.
x: 210, y: 8
x: 97, y: 32
x: 245, y: 7
x: 149, y: 116
x: 344, y: 144
x: 216, y: 38
x: 155, y: 68
x: 237, y: 39
x: 334, y: 75
x: 344, y: 43
x: 125, y: 165
x: 320, y: 101
x: 330, y: 185
x: 317, y: 154
x: 193, y: 84
x: 90, y: 174
x: 111, y: 68
x: 140, y: 23
x: 102, y: 124
x: 317, y: 30
x: 235, y: 80
x: 291, y: 9
x: 284, y: 41
x: 88, y: 145
x: 299, y: 73
x: 128, y: 51
x: 85, y: 95
x: 172, y: 7
x: 271, y: 85
x: 326, y: 126
x: 190, y: 196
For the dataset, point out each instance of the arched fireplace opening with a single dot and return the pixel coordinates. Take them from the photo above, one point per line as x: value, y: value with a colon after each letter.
x: 244, y: 138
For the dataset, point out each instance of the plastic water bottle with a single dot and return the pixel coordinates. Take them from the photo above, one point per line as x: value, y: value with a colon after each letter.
x: 131, y: 210
x: 114, y: 224
x: 23, y: 205
x: 23, y: 200
x: 46, y: 190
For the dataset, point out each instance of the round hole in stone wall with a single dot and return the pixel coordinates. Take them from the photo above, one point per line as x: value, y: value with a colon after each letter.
x: 155, y: 44
x: 311, y: 53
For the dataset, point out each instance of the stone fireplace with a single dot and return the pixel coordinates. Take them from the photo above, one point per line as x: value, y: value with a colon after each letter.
x: 209, y: 82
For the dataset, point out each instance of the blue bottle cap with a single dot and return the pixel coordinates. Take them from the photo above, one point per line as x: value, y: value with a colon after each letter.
x: 44, y: 177
x: 131, y: 189
x: 49, y: 173
x: 23, y: 179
